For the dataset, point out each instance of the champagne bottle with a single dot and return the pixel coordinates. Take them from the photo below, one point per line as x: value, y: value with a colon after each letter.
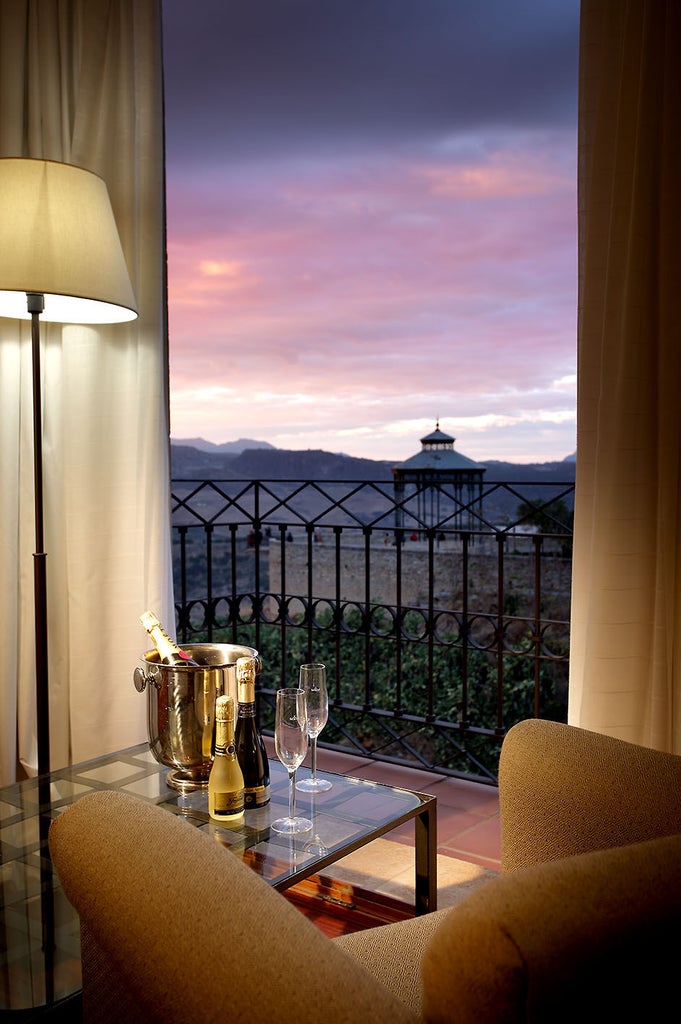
x: 168, y: 650
x: 226, y: 781
x: 250, y: 747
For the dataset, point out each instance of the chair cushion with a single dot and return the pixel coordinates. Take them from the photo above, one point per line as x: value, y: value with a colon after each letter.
x: 590, y: 937
x: 393, y: 953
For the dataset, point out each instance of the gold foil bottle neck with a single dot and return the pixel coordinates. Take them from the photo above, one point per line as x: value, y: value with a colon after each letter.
x: 245, y: 669
x: 168, y: 651
x: 245, y: 678
x: 224, y: 709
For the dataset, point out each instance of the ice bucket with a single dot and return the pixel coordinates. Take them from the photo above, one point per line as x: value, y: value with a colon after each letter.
x: 181, y: 707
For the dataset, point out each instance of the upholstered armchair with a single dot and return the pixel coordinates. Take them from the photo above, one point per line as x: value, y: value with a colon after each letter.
x: 582, y: 924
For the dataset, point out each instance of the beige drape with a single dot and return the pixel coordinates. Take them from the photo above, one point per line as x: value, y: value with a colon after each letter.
x: 81, y: 82
x: 625, y: 674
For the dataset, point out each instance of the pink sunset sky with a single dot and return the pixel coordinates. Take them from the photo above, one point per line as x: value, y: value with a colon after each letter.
x: 372, y: 224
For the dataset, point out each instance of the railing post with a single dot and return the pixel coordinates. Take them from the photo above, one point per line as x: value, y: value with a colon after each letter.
x: 337, y: 613
x: 309, y: 617
x: 233, y: 602
x: 399, y: 625
x: 430, y: 536
x: 283, y: 600
x: 210, y: 603
x: 536, y: 634
x: 501, y: 540
x: 181, y: 616
x: 368, y: 697
x: 464, y: 627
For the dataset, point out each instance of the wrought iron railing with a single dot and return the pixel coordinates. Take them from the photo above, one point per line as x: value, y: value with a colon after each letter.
x: 439, y: 630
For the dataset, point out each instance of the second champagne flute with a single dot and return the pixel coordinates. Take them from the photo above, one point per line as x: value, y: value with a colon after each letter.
x: 290, y: 743
x: 313, y: 684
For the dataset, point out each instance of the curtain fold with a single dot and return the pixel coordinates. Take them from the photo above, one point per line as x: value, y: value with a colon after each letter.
x: 81, y: 82
x: 625, y: 652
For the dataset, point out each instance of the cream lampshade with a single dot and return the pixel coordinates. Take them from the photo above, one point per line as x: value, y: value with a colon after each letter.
x: 58, y: 237
x: 60, y: 258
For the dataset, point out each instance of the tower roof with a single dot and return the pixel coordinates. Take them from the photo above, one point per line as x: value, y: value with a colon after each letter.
x: 440, y: 459
x: 438, y: 454
x: 437, y: 436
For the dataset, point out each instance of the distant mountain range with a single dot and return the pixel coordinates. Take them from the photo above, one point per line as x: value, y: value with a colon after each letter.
x: 245, y: 459
x: 230, y: 447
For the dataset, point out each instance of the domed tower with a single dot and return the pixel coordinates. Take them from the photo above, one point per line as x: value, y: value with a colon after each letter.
x: 443, y: 482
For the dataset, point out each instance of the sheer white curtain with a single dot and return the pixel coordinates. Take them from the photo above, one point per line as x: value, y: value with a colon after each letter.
x: 81, y: 82
x: 625, y: 673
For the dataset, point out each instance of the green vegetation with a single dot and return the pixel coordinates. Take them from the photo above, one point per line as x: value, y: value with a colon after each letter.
x: 370, y: 712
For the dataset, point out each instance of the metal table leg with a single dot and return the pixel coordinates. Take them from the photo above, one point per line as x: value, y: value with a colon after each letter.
x: 425, y: 834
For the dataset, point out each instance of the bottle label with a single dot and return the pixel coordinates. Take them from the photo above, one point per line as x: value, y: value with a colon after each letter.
x: 228, y: 803
x: 256, y: 796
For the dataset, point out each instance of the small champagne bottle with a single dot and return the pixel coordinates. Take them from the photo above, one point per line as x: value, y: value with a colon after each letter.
x: 226, y: 781
x: 169, y: 652
x: 250, y: 747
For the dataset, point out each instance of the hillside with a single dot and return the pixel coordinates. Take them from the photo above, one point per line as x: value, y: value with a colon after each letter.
x: 255, y: 460
x: 539, y: 472
x: 227, y: 447
x: 272, y: 464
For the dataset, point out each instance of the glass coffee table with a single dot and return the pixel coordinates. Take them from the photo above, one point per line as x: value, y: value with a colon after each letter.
x: 39, y: 930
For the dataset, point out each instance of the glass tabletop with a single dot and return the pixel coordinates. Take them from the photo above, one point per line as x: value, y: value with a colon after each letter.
x: 39, y: 931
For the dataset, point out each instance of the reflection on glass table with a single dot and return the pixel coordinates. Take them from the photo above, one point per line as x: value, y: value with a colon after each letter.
x: 39, y: 931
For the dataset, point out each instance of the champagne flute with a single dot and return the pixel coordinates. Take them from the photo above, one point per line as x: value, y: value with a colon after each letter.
x: 290, y: 743
x: 313, y: 685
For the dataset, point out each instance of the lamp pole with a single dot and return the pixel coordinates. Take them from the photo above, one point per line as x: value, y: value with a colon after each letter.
x: 36, y: 304
x: 68, y: 269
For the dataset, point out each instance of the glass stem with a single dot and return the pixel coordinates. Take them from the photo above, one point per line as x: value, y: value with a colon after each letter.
x: 292, y: 794
x: 314, y: 756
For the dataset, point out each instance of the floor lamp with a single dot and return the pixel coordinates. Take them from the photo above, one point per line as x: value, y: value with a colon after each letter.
x: 60, y: 260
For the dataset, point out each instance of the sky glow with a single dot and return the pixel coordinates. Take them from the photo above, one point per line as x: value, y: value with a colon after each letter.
x: 372, y: 224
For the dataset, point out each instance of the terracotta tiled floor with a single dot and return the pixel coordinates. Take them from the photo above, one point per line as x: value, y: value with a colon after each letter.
x: 468, y: 825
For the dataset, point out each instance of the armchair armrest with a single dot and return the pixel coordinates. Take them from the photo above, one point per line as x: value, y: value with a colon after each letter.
x: 565, y: 790
x: 189, y: 933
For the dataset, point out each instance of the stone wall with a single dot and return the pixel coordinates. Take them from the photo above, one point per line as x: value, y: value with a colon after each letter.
x: 483, y: 570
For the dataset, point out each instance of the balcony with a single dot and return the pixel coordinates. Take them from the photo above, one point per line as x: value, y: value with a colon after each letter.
x: 442, y: 622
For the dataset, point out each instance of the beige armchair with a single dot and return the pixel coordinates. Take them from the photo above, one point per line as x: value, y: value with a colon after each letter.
x: 583, y: 923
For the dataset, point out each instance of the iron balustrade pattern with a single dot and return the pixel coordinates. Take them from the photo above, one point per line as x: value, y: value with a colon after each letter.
x: 442, y: 622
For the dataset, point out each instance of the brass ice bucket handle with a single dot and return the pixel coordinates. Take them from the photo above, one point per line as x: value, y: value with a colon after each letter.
x: 142, y: 679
